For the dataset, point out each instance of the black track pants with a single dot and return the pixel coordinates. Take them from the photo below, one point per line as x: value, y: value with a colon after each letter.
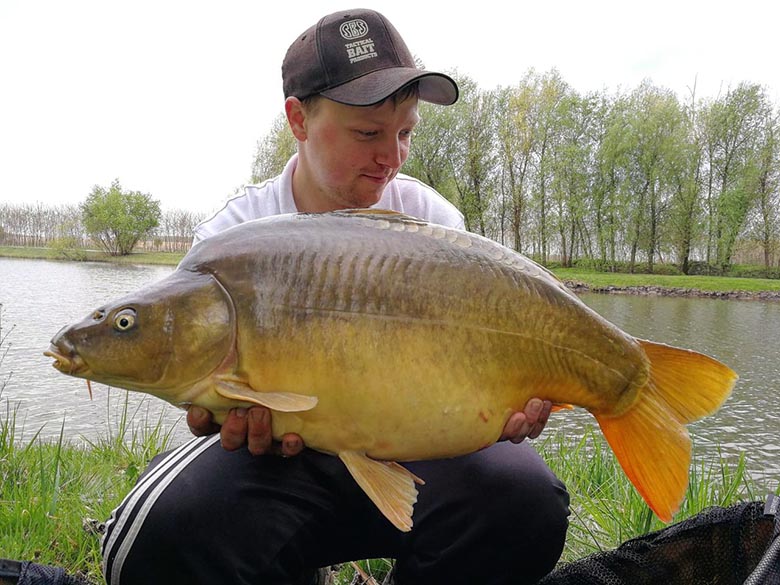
x: 202, y: 515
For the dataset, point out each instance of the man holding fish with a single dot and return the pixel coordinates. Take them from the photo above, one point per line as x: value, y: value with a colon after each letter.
x: 224, y: 509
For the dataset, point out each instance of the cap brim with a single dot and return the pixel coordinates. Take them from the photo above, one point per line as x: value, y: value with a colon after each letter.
x: 376, y: 86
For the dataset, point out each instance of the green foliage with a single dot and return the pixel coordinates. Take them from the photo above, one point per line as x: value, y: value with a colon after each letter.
x: 753, y: 271
x: 273, y: 151
x: 67, y: 248
x: 639, y: 177
x: 118, y: 219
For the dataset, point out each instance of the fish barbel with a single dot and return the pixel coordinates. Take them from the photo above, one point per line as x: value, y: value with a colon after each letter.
x: 381, y: 338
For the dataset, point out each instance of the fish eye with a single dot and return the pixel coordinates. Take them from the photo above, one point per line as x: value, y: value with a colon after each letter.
x: 124, y: 320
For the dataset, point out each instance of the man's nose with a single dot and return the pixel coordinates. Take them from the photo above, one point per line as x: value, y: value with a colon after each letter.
x: 390, y: 152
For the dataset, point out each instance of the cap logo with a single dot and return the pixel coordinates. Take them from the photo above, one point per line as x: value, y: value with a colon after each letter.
x: 359, y: 49
x: 354, y: 29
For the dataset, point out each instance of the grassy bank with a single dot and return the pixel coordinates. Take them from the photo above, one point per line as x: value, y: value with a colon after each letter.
x: 167, y: 258
x: 702, y: 283
x: 54, y: 495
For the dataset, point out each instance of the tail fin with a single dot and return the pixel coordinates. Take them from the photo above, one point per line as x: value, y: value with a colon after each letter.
x: 650, y: 439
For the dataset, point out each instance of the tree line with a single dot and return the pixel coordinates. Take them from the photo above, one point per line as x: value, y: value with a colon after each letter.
x: 618, y: 181
x: 631, y: 180
x: 118, y: 231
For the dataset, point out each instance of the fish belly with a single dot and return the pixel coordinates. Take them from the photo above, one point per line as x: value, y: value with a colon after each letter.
x: 407, y: 389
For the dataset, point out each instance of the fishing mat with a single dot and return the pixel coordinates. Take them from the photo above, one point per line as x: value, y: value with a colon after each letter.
x: 738, y: 545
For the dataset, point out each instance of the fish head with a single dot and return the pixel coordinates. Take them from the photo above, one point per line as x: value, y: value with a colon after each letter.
x: 162, y: 339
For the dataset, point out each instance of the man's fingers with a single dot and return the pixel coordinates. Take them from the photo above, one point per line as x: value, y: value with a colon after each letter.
x: 542, y: 414
x: 516, y: 428
x: 259, y: 430
x: 529, y: 423
x: 200, y: 422
x: 234, y: 429
x: 292, y: 444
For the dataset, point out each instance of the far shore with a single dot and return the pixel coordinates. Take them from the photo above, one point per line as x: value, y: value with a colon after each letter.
x: 579, y: 281
x: 671, y: 291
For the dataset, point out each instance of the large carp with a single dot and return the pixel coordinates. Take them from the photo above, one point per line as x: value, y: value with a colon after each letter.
x: 379, y: 338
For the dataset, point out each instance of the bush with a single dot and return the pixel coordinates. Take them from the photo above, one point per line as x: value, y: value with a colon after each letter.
x: 67, y: 248
x: 752, y: 271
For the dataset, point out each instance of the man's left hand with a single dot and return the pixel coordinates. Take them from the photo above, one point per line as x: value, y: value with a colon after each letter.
x: 528, y: 423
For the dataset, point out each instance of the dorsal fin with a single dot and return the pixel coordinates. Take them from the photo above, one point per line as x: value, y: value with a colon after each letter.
x: 374, y: 213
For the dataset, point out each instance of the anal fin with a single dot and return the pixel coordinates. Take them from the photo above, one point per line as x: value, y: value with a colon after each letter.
x: 280, y: 401
x: 389, y: 485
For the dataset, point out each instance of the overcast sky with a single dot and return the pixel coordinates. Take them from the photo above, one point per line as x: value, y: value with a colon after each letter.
x: 171, y: 97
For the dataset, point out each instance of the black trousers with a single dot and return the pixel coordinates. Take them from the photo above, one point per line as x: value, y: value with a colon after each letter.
x: 200, y: 514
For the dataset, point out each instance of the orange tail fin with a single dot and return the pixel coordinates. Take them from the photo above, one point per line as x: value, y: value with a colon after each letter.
x: 650, y: 440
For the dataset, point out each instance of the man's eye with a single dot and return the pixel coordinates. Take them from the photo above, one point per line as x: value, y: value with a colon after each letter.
x: 367, y: 133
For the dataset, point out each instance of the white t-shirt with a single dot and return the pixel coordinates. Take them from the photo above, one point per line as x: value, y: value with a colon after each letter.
x: 275, y: 196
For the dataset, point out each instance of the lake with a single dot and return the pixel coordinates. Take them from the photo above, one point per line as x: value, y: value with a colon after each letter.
x: 39, y: 297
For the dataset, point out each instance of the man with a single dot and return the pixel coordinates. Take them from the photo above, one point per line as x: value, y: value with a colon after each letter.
x: 236, y: 513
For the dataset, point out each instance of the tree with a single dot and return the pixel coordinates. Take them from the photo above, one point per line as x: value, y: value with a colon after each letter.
x: 571, y: 183
x: 657, y: 134
x: 473, y: 161
x: 765, y: 227
x: 516, y: 139
x: 273, y: 151
x: 118, y: 219
x: 734, y: 124
x: 434, y: 144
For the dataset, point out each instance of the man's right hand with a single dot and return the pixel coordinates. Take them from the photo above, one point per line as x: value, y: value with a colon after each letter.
x: 244, y: 426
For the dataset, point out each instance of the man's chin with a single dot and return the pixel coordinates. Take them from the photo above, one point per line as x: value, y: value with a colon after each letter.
x: 365, y: 199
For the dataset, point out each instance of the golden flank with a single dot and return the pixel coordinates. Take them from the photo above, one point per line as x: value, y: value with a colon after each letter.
x: 380, y: 338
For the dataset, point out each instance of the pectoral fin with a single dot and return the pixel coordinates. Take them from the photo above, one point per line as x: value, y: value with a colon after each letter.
x: 389, y: 485
x: 281, y: 401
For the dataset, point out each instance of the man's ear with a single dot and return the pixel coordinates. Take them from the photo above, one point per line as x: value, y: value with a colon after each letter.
x: 296, y: 117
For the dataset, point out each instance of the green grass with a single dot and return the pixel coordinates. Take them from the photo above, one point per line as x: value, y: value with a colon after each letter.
x: 703, y: 283
x: 54, y: 495
x: 166, y: 258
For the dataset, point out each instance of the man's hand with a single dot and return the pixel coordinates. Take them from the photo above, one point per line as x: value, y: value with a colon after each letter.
x: 528, y: 423
x: 242, y: 426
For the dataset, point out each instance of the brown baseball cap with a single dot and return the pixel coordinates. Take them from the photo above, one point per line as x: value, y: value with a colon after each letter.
x: 356, y: 57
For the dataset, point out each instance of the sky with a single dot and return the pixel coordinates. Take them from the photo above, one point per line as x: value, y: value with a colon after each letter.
x: 171, y: 97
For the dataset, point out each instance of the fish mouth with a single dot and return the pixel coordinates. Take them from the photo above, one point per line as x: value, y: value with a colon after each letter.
x: 73, y: 365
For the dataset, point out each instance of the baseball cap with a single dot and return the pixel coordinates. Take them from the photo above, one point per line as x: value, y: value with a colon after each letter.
x: 356, y: 57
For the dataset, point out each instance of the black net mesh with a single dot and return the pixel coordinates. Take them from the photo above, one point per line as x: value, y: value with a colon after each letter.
x: 720, y: 546
x: 35, y: 574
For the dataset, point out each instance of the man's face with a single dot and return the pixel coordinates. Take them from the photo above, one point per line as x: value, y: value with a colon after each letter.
x: 349, y: 154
